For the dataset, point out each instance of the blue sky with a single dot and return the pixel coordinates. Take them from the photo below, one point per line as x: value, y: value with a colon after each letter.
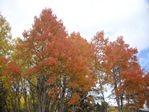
x: 144, y: 59
x: 129, y: 18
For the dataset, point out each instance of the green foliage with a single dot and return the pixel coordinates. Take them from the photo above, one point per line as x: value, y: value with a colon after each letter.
x: 5, y: 37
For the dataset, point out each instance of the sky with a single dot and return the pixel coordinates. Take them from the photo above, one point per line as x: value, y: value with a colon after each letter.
x: 128, y: 18
x: 144, y: 59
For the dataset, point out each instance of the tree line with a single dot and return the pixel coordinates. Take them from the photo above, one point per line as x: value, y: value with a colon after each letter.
x: 49, y: 70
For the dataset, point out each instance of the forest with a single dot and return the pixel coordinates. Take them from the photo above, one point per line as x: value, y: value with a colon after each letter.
x: 49, y: 70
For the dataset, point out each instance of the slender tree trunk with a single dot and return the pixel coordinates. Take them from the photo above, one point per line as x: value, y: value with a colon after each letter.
x: 117, y: 97
x: 62, y: 94
x: 34, y: 101
x: 19, y: 103
x: 117, y: 81
x: 121, y: 98
x: 54, y: 101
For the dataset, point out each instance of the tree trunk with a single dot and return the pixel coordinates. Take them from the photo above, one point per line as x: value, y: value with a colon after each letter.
x: 62, y: 95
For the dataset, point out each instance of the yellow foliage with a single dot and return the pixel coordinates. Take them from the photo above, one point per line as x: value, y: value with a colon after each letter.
x: 112, y: 109
x: 22, y: 101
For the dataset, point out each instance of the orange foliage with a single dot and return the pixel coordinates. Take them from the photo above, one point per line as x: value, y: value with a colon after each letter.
x: 13, y: 67
x: 119, y: 63
x: 10, y: 70
x: 53, y: 91
x: 47, y: 49
x: 74, y: 99
x: 51, y: 79
x: 3, y: 60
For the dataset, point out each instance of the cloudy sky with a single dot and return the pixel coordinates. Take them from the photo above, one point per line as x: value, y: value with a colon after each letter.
x: 129, y: 18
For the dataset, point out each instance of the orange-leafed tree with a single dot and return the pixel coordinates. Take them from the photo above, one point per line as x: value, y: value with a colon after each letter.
x: 82, y: 77
x: 33, y: 53
x: 100, y: 42
x: 59, y: 63
x: 120, y: 63
x: 134, y: 95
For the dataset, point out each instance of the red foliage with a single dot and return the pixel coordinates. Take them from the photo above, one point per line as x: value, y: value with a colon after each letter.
x: 75, y: 98
x: 51, y: 79
x: 13, y: 67
x: 53, y: 91
x: 3, y: 60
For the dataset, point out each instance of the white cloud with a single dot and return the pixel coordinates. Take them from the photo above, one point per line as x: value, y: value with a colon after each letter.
x: 116, y: 17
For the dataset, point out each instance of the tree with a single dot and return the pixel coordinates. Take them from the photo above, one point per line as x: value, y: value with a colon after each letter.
x: 10, y: 77
x: 121, y: 60
x: 134, y: 96
x: 99, y: 47
x: 61, y: 64
x: 5, y: 50
x: 5, y: 37
x: 100, y: 44
x: 115, y: 64
x: 35, y: 52
x: 81, y: 72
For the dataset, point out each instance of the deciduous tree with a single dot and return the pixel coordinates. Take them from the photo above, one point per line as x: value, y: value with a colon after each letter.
x: 121, y: 60
x: 61, y: 64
